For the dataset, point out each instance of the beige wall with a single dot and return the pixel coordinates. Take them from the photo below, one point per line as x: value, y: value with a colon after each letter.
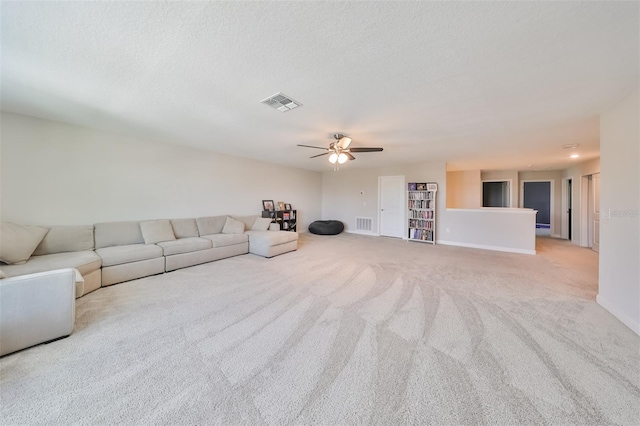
x: 619, y: 286
x: 347, y: 194
x: 464, y: 189
x: 59, y: 174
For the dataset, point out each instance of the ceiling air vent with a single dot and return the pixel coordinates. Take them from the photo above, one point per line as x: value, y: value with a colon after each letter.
x: 281, y: 102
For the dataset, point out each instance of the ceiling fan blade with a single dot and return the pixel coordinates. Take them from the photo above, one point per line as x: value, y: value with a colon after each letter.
x: 319, y: 155
x: 351, y: 157
x: 317, y: 147
x: 365, y: 149
x: 344, y: 142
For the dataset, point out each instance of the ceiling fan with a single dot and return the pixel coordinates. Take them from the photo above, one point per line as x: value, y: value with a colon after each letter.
x: 339, y: 151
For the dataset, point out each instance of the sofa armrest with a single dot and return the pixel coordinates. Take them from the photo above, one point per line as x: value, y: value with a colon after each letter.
x: 36, y: 308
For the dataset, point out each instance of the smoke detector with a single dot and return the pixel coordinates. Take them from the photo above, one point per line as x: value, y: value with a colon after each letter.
x: 281, y: 102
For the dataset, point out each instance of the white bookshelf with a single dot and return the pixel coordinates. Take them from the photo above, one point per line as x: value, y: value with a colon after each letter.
x: 421, y: 207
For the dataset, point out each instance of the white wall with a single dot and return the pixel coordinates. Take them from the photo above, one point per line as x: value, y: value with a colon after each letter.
x: 499, y: 228
x: 575, y: 173
x: 58, y: 174
x: 619, y: 288
x: 464, y: 189
x: 347, y: 194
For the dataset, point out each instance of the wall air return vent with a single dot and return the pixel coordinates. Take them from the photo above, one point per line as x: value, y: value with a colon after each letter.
x: 364, y: 224
x: 281, y: 102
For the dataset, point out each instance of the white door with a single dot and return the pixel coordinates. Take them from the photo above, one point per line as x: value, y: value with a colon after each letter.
x: 391, y: 196
x: 596, y: 212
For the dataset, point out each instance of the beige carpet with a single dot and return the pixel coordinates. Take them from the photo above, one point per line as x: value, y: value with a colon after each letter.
x: 347, y: 330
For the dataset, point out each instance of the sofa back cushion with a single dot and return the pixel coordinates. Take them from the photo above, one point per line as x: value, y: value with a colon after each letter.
x: 109, y: 234
x: 65, y: 239
x: 233, y: 226
x: 211, y: 224
x: 247, y: 220
x: 185, y: 228
x: 157, y: 231
x: 18, y: 242
x: 261, y: 224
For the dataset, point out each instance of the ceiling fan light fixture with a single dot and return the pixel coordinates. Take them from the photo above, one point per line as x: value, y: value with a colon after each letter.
x: 342, y: 158
x: 333, y: 158
x: 344, y: 142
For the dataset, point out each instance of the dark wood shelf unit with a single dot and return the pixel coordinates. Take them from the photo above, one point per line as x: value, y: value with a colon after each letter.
x: 286, y: 219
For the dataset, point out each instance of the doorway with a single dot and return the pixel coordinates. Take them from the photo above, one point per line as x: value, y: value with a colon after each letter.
x: 537, y: 195
x: 594, y: 212
x: 567, y: 208
x: 569, y: 203
x: 496, y: 193
x: 391, y: 190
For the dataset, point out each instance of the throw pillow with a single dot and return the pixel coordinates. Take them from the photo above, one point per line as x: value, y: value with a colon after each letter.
x: 232, y: 226
x: 261, y: 224
x: 247, y: 220
x: 18, y: 242
x: 2, y: 275
x: 157, y: 231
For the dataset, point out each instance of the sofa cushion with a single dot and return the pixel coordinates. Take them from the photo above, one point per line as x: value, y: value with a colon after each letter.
x: 271, y: 238
x: 156, y: 231
x: 110, y: 234
x: 2, y: 275
x: 260, y: 242
x: 210, y: 224
x: 86, y: 261
x: 261, y: 224
x: 225, y: 240
x: 233, y: 226
x: 18, y: 242
x: 247, y: 220
x: 185, y: 228
x: 63, y: 239
x: 130, y: 253
x: 185, y: 245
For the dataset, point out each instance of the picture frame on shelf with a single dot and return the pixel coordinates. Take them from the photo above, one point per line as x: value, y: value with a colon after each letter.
x: 432, y: 186
x: 421, y: 186
x: 267, y: 205
x: 280, y: 205
x: 287, y: 206
x: 412, y: 186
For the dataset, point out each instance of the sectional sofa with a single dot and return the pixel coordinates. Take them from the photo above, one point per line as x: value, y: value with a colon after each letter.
x: 113, y: 252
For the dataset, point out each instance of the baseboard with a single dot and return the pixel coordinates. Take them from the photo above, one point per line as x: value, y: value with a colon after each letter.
x: 484, y: 247
x: 613, y: 310
x: 557, y: 236
x: 373, y: 234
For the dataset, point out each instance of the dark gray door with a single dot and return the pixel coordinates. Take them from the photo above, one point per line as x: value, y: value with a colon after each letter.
x: 537, y: 196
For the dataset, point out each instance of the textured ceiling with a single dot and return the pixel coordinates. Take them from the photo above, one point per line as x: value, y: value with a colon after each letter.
x: 488, y: 85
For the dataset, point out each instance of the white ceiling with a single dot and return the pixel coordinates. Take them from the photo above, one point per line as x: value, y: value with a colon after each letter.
x: 485, y: 85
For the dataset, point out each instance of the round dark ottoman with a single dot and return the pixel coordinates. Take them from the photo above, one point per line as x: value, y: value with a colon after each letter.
x: 326, y: 227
